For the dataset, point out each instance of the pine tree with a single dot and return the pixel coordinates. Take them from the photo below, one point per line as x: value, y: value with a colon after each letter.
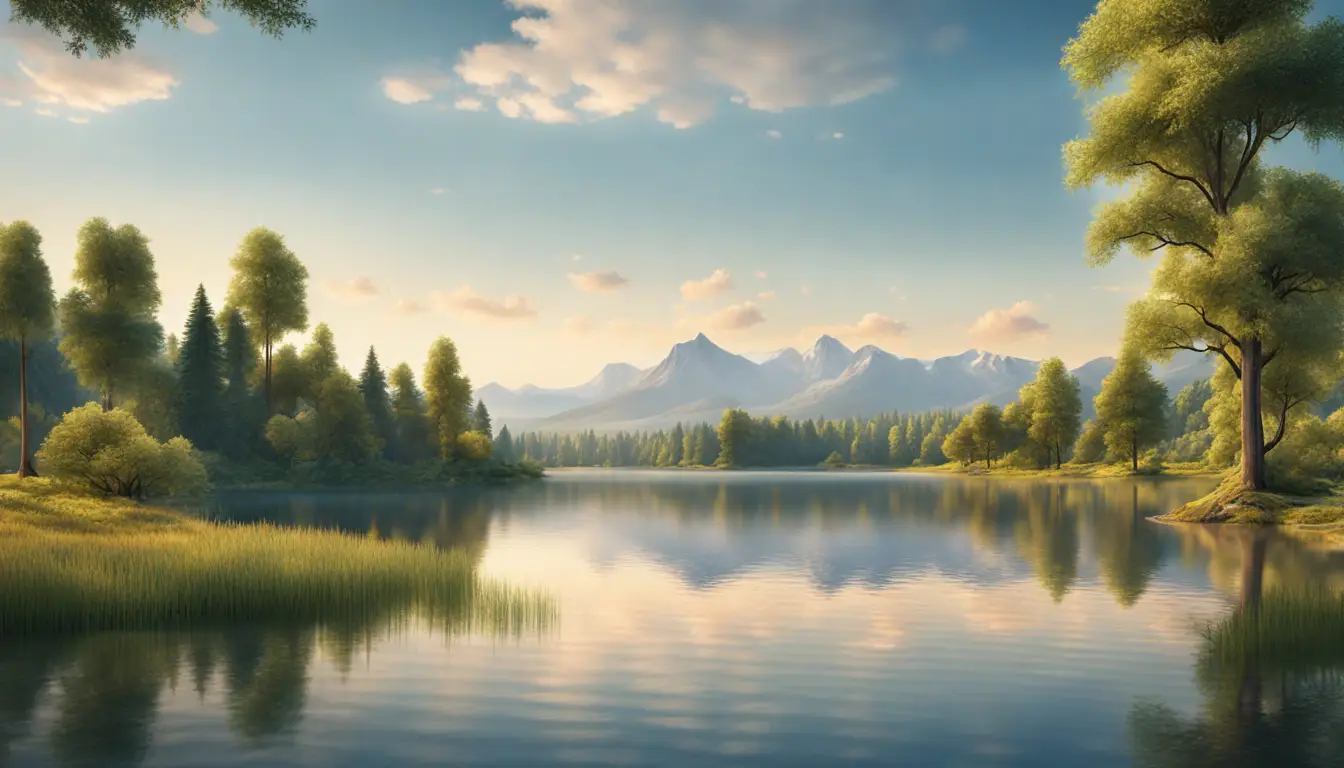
x: 480, y: 420
x: 504, y: 445
x: 373, y: 388
x: 243, y: 411
x: 200, y: 381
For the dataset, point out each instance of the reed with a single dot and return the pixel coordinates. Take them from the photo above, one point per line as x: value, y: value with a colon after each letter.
x: 1300, y: 627
x: 73, y: 562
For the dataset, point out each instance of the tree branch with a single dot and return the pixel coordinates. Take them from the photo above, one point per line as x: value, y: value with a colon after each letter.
x: 1173, y: 243
x: 1191, y: 179
x: 1288, y: 405
x: 1203, y: 316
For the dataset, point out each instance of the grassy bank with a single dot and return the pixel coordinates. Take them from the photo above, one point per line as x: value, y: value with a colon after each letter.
x: 383, y: 474
x: 1229, y: 503
x: 1192, y: 469
x: 72, y: 561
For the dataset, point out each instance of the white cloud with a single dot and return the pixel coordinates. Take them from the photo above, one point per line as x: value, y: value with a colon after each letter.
x: 1001, y: 325
x: 716, y: 284
x: 199, y: 24
x: 837, y: 135
x: 44, y: 112
x: 86, y: 84
x: 436, y: 191
x: 469, y: 104
x: 78, y: 120
x: 872, y: 328
x: 355, y: 289
x: 574, y: 60
x: 415, y: 88
x: 737, y: 317
x: 598, y: 282
x: 467, y: 300
x: 578, y: 257
x: 409, y: 307
x: 774, y: 134
x: 11, y: 102
x: 766, y: 296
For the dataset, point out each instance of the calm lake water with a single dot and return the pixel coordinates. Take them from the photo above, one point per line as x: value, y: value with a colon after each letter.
x: 729, y: 619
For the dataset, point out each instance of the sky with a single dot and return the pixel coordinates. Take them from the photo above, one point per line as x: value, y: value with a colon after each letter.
x: 561, y: 184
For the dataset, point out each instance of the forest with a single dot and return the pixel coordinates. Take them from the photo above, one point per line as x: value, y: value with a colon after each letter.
x: 116, y: 404
x: 1137, y: 425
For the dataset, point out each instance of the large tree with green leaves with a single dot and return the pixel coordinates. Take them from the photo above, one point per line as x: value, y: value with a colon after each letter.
x: 27, y: 311
x: 200, y: 377
x: 270, y: 287
x: 447, y: 395
x: 109, y: 26
x: 111, y: 334
x: 244, y: 422
x: 1056, y: 410
x: 1132, y: 407
x: 986, y: 432
x: 1251, y: 269
x: 408, y: 414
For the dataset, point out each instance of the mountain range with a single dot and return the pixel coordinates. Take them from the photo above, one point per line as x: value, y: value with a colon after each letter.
x: 699, y: 379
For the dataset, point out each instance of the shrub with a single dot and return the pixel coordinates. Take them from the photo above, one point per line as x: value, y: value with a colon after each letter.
x: 113, y: 454
x: 475, y: 446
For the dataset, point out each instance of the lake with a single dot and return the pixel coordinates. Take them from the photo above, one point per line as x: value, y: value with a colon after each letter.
x: 732, y: 619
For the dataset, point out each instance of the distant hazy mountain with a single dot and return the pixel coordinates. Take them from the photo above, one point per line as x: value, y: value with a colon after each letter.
x: 530, y: 402
x: 698, y: 380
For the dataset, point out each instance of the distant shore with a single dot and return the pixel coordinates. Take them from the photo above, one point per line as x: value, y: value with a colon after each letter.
x: 1084, y: 471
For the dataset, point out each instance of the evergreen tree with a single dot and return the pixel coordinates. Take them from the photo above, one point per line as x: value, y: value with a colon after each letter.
x: 200, y: 379
x: 480, y: 420
x: 504, y: 445
x: 408, y: 413
x: 1132, y: 407
x: 373, y: 388
x: 244, y: 417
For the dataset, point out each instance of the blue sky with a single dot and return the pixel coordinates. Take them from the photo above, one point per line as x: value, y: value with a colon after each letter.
x: 764, y: 171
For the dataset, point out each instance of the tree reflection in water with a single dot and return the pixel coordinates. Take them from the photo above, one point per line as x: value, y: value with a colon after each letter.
x: 1271, y: 674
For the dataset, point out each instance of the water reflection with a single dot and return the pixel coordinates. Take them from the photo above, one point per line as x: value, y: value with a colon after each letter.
x: 1271, y: 674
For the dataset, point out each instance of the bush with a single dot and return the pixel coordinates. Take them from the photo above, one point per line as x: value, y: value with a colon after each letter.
x: 475, y: 446
x: 834, y: 460
x: 1151, y: 463
x: 113, y: 454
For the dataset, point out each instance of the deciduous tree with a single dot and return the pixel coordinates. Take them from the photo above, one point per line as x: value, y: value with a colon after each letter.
x: 1251, y: 269
x: 447, y: 395
x: 109, y: 26
x: 270, y: 288
x: 111, y: 334
x: 1132, y: 407
x: 1056, y: 410
x: 27, y: 311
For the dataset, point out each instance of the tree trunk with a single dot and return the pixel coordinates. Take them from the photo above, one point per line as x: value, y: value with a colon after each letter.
x: 267, y: 376
x: 25, y: 455
x: 1252, y: 424
x: 107, y: 398
x: 1134, y: 449
x: 1252, y: 571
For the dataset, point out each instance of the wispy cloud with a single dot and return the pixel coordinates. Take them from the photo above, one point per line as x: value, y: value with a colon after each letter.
x: 466, y: 300
x: 469, y: 104
x: 78, y: 120
x: 53, y: 77
x: 774, y: 134
x: 409, y: 307
x: 44, y: 112
x: 437, y: 191
x: 355, y: 289
x: 415, y: 87
x: 11, y: 102
x: 872, y: 328
x: 199, y: 24
x: 766, y: 296
x: 598, y: 282
x: 718, y: 283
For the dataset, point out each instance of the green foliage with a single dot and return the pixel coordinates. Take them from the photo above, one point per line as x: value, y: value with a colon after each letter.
x: 289, y: 380
x: 200, y: 377
x: 344, y: 429
x: 1250, y: 269
x: 1224, y: 413
x: 112, y: 454
x: 480, y: 419
x: 987, y: 432
x: 931, y: 445
x: 1132, y: 408
x: 154, y: 400
x: 108, y: 319
x: 414, y: 440
x: 373, y: 388
x: 294, y: 439
x: 447, y: 395
x: 27, y: 302
x: 1091, y: 445
x: 319, y: 362
x: 834, y: 460
x: 960, y: 444
x: 109, y: 26
x: 1056, y: 412
x: 735, y: 434
x: 1188, y: 410
x: 474, y: 446
x: 503, y: 446
x: 270, y: 288
x: 246, y: 413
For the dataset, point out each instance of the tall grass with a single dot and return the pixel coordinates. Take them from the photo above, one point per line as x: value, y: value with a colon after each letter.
x: 1287, y: 629
x: 70, y: 562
